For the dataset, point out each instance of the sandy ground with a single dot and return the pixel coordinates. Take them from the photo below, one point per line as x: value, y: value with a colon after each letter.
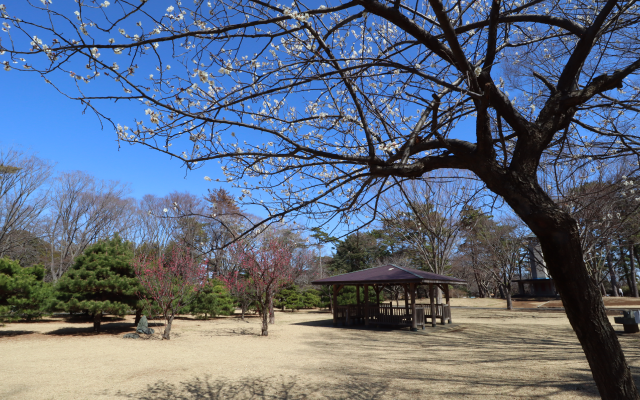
x: 609, y: 302
x: 485, y: 354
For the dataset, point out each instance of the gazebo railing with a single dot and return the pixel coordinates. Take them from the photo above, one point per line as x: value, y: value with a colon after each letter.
x: 387, y: 314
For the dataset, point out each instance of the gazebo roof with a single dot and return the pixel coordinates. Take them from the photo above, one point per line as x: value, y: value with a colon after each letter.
x: 388, y: 274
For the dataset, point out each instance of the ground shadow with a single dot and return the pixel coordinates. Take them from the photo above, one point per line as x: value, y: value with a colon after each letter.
x: 328, y: 323
x: 522, y: 347
x: 110, y: 328
x: 84, y: 319
x: 35, y: 321
x: 4, y: 334
x: 272, y: 388
x: 233, y: 332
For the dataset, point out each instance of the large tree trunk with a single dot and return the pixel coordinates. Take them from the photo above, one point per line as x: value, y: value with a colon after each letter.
x: 272, y: 313
x: 586, y: 313
x: 632, y: 273
x: 509, y: 301
x: 560, y: 241
x: 623, y: 262
x: 265, y: 323
x: 612, y: 275
x: 97, y: 319
x: 167, y: 329
x: 138, y: 316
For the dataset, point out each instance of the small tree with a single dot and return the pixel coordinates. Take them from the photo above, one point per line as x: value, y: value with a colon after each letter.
x: 101, y: 280
x: 238, y: 286
x: 502, y: 247
x: 264, y: 268
x: 311, y: 298
x: 212, y: 300
x: 23, y: 293
x: 171, y: 281
x: 289, y: 297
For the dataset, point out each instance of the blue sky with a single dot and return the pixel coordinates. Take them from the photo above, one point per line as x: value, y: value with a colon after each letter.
x: 36, y: 118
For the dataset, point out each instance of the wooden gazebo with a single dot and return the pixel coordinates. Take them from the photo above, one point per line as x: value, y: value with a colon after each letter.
x: 378, y: 313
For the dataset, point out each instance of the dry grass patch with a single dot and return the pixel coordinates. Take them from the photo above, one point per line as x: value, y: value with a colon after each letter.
x: 485, y: 354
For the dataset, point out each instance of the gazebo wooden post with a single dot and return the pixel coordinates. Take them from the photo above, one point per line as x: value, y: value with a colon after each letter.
x: 366, y: 304
x: 446, y: 293
x: 433, y: 306
x: 334, y: 303
x: 443, y: 316
x: 358, y: 313
x: 412, y: 292
x: 378, y: 289
x: 406, y: 299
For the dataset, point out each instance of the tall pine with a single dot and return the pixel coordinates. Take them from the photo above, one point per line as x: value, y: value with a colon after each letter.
x: 101, y: 281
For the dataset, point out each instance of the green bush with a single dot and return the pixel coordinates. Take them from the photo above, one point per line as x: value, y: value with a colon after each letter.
x: 288, y: 297
x: 212, y: 300
x: 23, y: 293
x: 311, y: 298
x: 101, y: 280
x: 293, y: 298
x: 347, y: 296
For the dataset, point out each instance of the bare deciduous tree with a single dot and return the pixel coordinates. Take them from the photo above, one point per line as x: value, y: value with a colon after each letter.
x: 83, y: 210
x: 354, y: 97
x: 426, y: 215
x: 23, y: 198
x: 503, y: 243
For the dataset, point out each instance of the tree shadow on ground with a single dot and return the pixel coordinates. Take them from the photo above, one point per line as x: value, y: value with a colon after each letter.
x: 4, y: 334
x: 36, y: 321
x: 271, y: 388
x: 110, y: 328
x: 530, y: 351
x: 328, y: 323
x: 84, y: 319
x: 233, y: 332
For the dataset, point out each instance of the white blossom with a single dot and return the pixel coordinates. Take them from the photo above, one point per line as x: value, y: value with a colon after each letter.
x: 204, y: 77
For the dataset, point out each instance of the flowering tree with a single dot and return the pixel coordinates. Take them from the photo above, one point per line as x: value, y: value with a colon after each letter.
x: 239, y: 286
x: 356, y: 96
x: 171, y: 281
x: 266, y: 267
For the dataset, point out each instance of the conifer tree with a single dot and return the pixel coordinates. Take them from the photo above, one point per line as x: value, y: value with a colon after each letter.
x: 212, y: 300
x: 23, y: 293
x: 289, y: 297
x: 101, y: 281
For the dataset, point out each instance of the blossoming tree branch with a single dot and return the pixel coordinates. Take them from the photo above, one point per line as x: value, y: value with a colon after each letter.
x: 318, y: 108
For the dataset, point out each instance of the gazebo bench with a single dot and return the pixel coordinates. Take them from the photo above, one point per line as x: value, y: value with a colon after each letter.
x: 629, y: 320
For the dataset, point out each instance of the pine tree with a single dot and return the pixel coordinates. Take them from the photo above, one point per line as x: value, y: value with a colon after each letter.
x: 101, y: 281
x: 289, y: 297
x: 23, y: 293
x: 212, y: 300
x: 311, y: 298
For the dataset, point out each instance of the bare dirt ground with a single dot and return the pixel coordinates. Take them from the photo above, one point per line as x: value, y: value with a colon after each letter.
x: 609, y: 302
x: 485, y: 354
